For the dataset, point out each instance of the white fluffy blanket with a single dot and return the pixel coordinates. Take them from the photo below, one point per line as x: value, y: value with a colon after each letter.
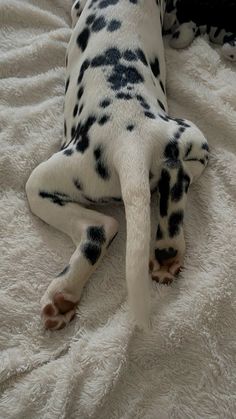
x: 98, y: 367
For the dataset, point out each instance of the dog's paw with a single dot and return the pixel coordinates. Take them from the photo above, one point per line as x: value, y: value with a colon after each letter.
x: 58, y: 311
x: 165, y: 273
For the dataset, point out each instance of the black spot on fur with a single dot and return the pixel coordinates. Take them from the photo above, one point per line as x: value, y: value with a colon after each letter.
x: 97, y: 152
x: 65, y: 270
x: 114, y: 25
x: 130, y: 127
x: 110, y: 57
x: 81, y: 108
x: 88, y: 123
x: 171, y: 152
x: 159, y: 234
x: 65, y: 129
x: 181, y: 185
x: 129, y: 55
x: 113, y: 55
x: 205, y: 146
x: 104, y: 103
x: 161, y: 105
x: 164, y: 117
x: 96, y: 234
x: 82, y: 144
x: 58, y: 198
x: 77, y: 184
x: 164, y: 190
x: 106, y: 3
x: 141, y: 56
x: 92, y: 4
x: 98, y: 61
x: 122, y: 75
x: 143, y: 102
x: 125, y: 96
x: 72, y: 131
x: 188, y: 150
x: 104, y: 119
x: 82, y: 39
x: 68, y: 152
x: 133, y: 1
x: 100, y: 167
x: 75, y: 110
x: 175, y: 221
x: 162, y: 86
x: 67, y: 84
x: 91, y: 252
x: 164, y: 254
x: 178, y: 188
x: 80, y: 92
x: 82, y: 134
x: 102, y: 170
x: 178, y: 134
x: 77, y: 133
x: 180, y: 122
x: 90, y: 19
x: 186, y: 182
x: 149, y: 115
x: 98, y: 24
x: 83, y: 68
x: 155, y: 67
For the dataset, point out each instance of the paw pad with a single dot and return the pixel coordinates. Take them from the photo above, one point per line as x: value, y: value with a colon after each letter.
x: 59, y: 312
x: 164, y: 274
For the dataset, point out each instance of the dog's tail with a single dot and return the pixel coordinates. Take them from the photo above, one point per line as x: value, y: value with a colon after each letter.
x: 134, y: 179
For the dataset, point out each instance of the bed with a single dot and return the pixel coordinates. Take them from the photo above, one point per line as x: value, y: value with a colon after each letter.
x: 100, y: 367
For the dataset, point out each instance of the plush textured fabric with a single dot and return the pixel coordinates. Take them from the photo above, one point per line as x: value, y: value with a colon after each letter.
x: 99, y: 367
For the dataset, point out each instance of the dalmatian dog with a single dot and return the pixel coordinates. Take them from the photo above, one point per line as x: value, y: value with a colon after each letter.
x: 120, y: 144
x: 186, y: 20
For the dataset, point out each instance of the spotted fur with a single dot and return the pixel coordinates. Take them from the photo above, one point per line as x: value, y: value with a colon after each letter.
x: 119, y: 144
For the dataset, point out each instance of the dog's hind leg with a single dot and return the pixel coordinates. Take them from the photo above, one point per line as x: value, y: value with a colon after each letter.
x: 91, y: 233
x: 185, y: 157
